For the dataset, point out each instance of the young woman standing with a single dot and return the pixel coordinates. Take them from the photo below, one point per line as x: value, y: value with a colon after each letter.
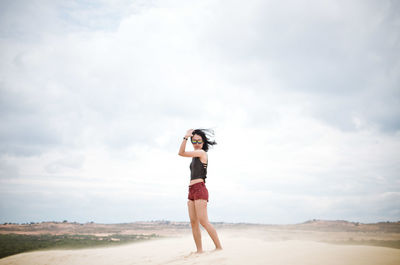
x: 198, y: 193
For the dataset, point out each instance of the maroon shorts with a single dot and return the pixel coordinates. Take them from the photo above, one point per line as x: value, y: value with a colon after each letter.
x: 198, y: 191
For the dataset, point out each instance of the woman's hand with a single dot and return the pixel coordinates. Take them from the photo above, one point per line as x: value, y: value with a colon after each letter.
x: 189, y: 133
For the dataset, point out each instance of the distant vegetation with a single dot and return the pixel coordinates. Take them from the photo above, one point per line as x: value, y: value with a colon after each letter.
x: 11, y: 244
x: 369, y: 242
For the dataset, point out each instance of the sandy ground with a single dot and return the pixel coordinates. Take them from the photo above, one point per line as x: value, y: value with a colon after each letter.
x: 240, y: 247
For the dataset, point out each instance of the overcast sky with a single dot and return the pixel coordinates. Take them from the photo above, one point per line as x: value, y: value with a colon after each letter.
x: 304, y: 98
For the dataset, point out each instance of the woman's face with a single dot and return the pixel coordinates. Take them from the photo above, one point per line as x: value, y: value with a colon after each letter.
x: 196, y: 138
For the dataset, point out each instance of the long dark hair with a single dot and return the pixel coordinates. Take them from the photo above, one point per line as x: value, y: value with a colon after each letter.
x: 206, y: 135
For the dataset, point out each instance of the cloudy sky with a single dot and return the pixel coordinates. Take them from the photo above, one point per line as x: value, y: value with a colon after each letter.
x: 303, y: 96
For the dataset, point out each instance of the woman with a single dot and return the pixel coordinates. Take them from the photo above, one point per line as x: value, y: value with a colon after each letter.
x: 198, y: 193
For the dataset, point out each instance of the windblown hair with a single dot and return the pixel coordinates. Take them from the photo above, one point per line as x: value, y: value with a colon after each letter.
x: 206, y: 135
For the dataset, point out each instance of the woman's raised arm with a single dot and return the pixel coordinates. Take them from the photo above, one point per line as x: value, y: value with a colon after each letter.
x: 183, y: 144
x: 195, y: 153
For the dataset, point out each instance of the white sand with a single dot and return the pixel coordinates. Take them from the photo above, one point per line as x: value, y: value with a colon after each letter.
x: 239, y: 248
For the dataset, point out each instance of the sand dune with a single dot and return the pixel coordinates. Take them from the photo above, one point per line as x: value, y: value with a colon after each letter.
x: 239, y: 248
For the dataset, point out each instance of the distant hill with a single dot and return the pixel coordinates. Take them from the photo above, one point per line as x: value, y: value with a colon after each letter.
x: 346, y: 226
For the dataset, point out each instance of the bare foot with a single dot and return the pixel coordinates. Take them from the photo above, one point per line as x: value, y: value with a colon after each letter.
x: 194, y: 253
x: 217, y: 249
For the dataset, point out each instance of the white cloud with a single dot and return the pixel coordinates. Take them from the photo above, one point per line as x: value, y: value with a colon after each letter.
x: 303, y: 99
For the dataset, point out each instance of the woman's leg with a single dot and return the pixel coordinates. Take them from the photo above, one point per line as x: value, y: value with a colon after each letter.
x: 201, y: 212
x: 194, y: 222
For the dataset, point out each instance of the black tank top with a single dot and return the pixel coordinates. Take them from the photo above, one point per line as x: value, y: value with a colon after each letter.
x: 198, y: 169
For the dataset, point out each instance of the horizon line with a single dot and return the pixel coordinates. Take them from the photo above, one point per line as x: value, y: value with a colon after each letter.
x: 179, y: 221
